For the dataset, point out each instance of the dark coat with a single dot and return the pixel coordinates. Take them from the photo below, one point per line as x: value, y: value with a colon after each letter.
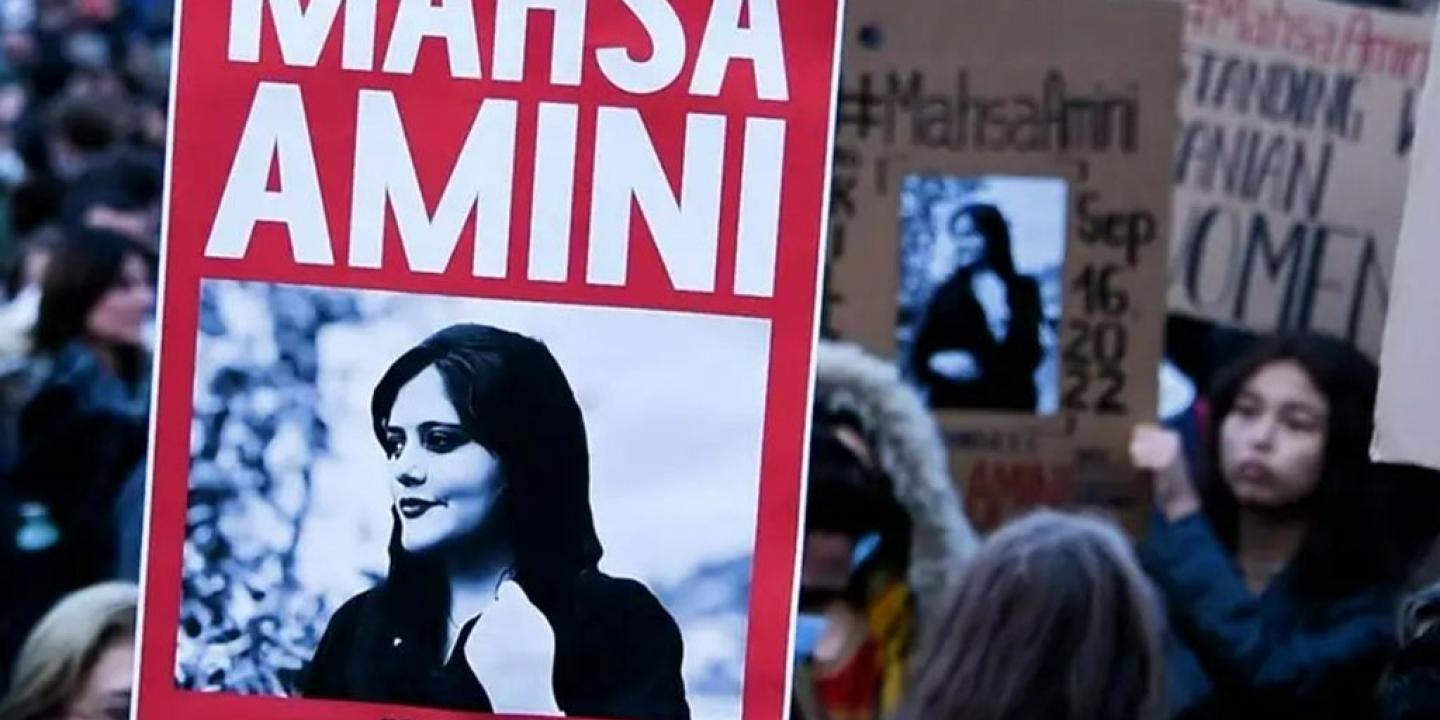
x: 617, y: 655
x: 80, y: 436
x: 1279, y: 655
x: 1411, y: 690
x: 955, y: 320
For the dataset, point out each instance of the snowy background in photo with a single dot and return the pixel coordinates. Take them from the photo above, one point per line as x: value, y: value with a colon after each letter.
x: 1036, y: 209
x: 288, y: 513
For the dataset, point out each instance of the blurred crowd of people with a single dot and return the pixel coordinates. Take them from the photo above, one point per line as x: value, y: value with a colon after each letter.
x: 1282, y: 573
x: 83, y: 97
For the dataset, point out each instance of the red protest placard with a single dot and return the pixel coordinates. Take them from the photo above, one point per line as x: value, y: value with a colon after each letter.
x: 485, y: 357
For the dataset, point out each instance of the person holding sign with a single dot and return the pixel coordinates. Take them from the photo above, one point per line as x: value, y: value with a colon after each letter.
x: 978, y: 345
x: 493, y: 535
x: 1279, y: 577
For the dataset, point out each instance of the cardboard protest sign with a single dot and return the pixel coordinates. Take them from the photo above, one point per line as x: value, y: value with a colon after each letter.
x: 1406, y: 403
x: 1297, y: 118
x: 997, y: 227
x: 486, y: 357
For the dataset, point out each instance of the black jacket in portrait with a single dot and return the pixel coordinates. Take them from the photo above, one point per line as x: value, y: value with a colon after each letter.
x: 955, y: 320
x: 617, y: 655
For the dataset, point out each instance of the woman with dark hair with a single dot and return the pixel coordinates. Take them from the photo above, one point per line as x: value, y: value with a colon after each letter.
x: 978, y: 344
x: 1053, y: 619
x: 82, y: 433
x: 492, y: 521
x: 1280, y: 575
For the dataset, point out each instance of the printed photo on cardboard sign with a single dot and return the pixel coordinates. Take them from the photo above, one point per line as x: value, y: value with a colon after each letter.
x: 1028, y: 128
x: 445, y: 502
x: 485, y: 359
x: 981, y: 263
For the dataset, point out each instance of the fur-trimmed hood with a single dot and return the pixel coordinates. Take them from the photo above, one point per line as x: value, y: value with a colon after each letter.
x: 908, y: 447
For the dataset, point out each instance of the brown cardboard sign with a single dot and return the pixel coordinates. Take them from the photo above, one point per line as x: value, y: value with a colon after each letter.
x: 1408, y: 393
x: 1297, y: 118
x: 1001, y: 190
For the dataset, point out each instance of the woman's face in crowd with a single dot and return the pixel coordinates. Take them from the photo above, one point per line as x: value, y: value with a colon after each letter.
x: 122, y: 312
x: 1272, y: 444
x: 445, y: 483
x: 105, y: 695
x: 827, y: 558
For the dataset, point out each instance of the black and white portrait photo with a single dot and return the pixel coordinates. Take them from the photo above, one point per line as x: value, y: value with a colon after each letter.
x: 474, y: 505
x: 980, y: 290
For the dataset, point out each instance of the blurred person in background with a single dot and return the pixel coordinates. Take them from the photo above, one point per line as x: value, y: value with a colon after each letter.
x: 20, y: 306
x: 82, y: 130
x: 89, y: 78
x: 1279, y: 575
x: 885, y: 538
x: 83, y: 432
x: 58, y: 144
x: 1053, y: 620
x: 1411, y: 687
x: 13, y: 172
x: 83, y: 97
x: 78, y: 663
x: 19, y: 311
x: 120, y: 193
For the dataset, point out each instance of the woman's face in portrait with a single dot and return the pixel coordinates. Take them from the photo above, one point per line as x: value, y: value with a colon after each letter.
x: 445, y: 484
x: 1272, y: 443
x: 964, y: 247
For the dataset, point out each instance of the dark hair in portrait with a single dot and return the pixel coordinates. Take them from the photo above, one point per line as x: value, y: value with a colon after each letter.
x: 990, y: 223
x: 1002, y: 364
x: 1346, y: 546
x: 512, y: 398
x: 125, y: 181
x: 617, y: 650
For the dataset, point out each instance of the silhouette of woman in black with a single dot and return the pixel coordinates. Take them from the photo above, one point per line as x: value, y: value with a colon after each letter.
x: 978, y: 343
x: 491, y: 474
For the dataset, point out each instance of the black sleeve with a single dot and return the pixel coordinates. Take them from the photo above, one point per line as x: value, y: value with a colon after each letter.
x: 51, y: 425
x: 1235, y: 639
x: 325, y: 676
x: 629, y: 665
x: 42, y: 441
x: 654, y: 670
x: 934, y: 333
